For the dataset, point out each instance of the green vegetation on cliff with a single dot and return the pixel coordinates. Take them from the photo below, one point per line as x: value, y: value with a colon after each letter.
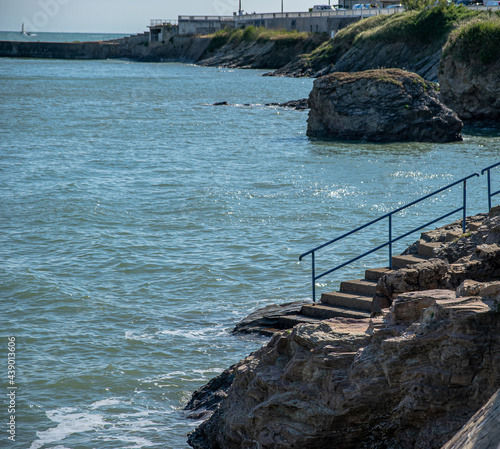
x: 476, y: 41
x: 425, y: 29
x: 252, y: 34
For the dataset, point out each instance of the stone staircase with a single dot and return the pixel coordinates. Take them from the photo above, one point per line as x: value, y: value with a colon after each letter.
x: 354, y: 298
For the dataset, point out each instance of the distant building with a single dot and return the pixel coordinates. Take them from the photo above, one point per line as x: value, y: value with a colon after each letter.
x: 161, y: 30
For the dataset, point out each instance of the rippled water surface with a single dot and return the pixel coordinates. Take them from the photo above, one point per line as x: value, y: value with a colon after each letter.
x: 139, y: 224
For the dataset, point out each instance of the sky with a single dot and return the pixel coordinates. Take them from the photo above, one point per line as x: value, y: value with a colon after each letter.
x: 124, y: 16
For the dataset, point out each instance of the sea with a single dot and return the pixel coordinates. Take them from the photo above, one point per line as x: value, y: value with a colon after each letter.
x: 139, y: 224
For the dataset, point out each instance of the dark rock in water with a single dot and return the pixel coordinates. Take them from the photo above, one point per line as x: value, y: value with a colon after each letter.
x: 266, y: 320
x: 206, y: 399
x: 386, y: 105
x: 296, y: 104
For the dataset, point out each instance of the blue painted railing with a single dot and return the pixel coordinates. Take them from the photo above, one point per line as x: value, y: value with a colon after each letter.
x: 391, y: 240
x: 490, y: 195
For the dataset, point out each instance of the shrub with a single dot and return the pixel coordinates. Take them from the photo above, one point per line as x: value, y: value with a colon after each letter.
x: 252, y: 34
x: 477, y: 40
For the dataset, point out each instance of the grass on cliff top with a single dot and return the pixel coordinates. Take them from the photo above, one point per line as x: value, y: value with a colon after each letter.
x: 391, y: 76
x: 424, y: 27
x: 252, y: 34
x: 420, y: 27
x: 476, y: 41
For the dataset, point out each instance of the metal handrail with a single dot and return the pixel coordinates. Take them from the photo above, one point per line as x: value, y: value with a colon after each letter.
x: 391, y: 239
x: 489, y: 183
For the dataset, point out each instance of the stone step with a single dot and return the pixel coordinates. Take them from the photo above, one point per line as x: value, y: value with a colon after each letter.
x: 474, y: 226
x: 268, y: 331
x: 347, y: 300
x: 288, y: 321
x: 360, y: 287
x: 405, y: 261
x: 325, y: 311
x: 426, y: 249
x: 374, y: 274
x: 453, y: 235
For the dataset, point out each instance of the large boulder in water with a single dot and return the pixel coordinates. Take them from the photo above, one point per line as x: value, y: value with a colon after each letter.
x: 385, y: 105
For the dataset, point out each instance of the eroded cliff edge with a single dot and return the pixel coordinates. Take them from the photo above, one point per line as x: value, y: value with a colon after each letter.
x: 410, y: 378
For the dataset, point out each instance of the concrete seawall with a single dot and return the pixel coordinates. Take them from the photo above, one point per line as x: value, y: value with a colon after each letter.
x: 183, y: 49
x: 60, y: 50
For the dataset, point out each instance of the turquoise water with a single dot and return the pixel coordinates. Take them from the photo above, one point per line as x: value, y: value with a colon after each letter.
x: 139, y: 224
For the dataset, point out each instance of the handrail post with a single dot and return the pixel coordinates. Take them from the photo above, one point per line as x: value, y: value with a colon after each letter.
x: 465, y: 205
x: 489, y: 191
x: 313, y: 278
x: 390, y: 241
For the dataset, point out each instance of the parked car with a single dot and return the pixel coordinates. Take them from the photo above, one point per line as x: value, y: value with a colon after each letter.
x: 468, y: 2
x: 358, y: 6
x: 394, y: 6
x: 317, y: 8
x: 493, y: 3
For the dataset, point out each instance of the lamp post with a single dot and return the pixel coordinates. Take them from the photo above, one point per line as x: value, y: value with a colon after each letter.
x: 239, y: 9
x: 281, y: 6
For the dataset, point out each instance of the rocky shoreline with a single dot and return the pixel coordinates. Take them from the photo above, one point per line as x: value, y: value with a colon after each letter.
x: 411, y: 377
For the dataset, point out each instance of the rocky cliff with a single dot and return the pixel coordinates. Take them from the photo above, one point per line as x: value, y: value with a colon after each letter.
x: 410, y: 378
x: 469, y: 72
x: 257, y: 52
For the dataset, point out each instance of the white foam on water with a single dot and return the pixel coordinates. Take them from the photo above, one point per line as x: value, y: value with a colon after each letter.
x: 105, y: 402
x: 110, y: 428
x: 129, y: 335
x: 195, y: 334
x: 69, y: 423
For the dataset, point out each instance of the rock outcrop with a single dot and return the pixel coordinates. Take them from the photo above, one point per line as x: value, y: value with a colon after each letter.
x: 469, y: 69
x: 381, y: 106
x: 410, y: 379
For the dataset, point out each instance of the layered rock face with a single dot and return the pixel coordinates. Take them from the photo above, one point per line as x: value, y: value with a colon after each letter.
x: 382, y: 106
x: 473, y: 94
x: 410, y: 379
x: 469, y: 69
